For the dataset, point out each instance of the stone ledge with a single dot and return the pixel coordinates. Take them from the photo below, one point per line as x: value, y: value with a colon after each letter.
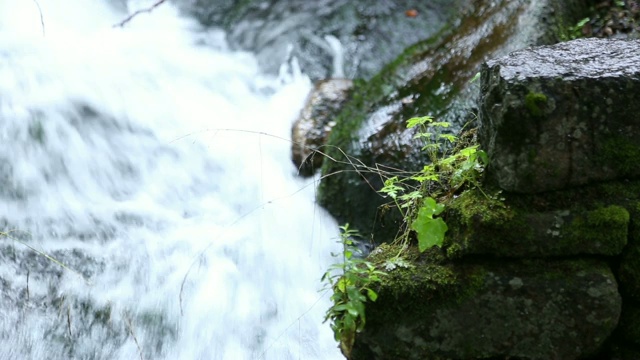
x: 563, y: 115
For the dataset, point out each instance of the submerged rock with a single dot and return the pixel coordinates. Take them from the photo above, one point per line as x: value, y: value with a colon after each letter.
x: 562, y: 115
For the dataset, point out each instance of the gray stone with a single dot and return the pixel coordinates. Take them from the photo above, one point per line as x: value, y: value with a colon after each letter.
x: 562, y: 115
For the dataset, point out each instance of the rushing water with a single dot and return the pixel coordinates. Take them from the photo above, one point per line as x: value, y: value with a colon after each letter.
x: 146, y: 184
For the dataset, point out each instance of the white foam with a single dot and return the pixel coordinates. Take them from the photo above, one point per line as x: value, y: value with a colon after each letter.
x: 114, y: 142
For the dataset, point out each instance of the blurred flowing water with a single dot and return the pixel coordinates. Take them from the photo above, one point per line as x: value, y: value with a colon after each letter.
x: 147, y: 192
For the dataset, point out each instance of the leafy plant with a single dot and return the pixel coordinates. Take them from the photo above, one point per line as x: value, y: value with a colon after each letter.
x: 351, y: 281
x: 430, y: 230
x: 575, y: 31
x: 421, y: 197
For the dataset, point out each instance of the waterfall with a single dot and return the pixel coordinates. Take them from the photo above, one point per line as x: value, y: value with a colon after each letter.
x: 149, y: 204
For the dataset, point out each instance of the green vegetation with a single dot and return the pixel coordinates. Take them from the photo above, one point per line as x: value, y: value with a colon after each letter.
x: 575, y: 31
x: 621, y: 154
x: 422, y: 196
x: 351, y: 281
x: 535, y: 103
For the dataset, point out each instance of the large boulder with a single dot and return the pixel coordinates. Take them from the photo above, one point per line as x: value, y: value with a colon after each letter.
x: 531, y: 309
x: 564, y: 115
x: 431, y: 77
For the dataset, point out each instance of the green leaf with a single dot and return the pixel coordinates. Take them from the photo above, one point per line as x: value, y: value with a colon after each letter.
x: 448, y: 137
x: 341, y: 307
x: 413, y: 122
x: 355, y: 295
x: 430, y: 207
x: 475, y: 77
x: 373, y: 296
x: 390, y: 188
x: 484, y: 158
x: 469, y: 151
x: 411, y: 196
x: 442, y: 124
x: 431, y: 146
x: 448, y: 160
x: 423, y: 135
x: 430, y: 232
x: 352, y: 310
x: 423, y: 178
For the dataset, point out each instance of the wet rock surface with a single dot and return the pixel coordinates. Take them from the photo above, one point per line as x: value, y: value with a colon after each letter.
x: 430, y: 78
x: 562, y: 115
x: 329, y: 38
x: 311, y: 129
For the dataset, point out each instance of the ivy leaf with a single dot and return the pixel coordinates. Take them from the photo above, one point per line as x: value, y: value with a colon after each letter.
x: 430, y: 207
x: 430, y: 231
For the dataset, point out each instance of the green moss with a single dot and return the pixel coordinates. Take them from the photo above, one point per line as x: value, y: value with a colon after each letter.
x: 481, y: 225
x: 484, y: 226
x: 535, y: 103
x: 472, y: 205
x: 606, y: 227
x: 620, y: 154
x: 424, y: 275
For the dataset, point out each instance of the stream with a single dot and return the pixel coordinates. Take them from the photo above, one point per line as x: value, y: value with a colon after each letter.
x: 148, y: 205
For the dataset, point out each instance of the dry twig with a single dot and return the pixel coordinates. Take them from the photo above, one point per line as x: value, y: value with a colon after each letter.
x: 41, y: 16
x: 138, y: 12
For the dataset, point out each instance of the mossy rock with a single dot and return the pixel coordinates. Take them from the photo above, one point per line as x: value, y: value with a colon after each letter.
x: 551, y: 119
x: 484, y: 226
x: 526, y: 309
